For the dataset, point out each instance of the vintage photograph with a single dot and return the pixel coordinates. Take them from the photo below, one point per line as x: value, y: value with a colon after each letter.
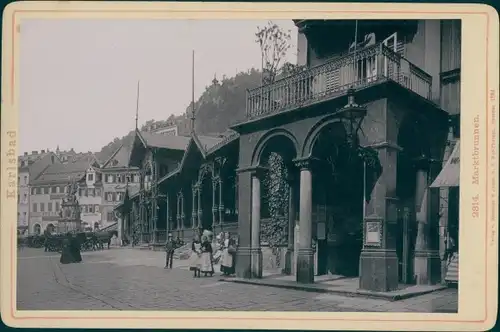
x: 239, y: 165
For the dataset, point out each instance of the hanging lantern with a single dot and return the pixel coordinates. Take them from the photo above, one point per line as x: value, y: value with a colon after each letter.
x: 352, y: 116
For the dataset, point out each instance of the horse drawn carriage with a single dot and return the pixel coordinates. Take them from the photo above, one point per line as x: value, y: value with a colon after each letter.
x: 88, y: 241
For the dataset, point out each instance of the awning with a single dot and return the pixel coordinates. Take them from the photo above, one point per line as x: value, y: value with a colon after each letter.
x: 450, y: 174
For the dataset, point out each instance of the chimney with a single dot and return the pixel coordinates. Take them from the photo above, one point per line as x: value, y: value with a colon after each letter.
x: 26, y: 153
x: 34, y: 152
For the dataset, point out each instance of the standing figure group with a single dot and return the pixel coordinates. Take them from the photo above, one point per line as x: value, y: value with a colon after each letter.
x: 201, y: 255
x: 70, y: 250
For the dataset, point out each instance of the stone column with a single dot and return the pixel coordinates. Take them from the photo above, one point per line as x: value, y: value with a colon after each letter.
x: 183, y: 216
x: 194, y: 189
x: 178, y: 215
x: 221, y: 205
x: 305, y: 255
x: 243, y: 255
x: 427, y: 263
x: 378, y: 260
x: 214, y: 205
x: 167, y: 212
x: 256, y: 250
x: 289, y: 260
x: 200, y: 212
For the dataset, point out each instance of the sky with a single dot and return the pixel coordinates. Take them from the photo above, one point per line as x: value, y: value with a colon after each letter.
x: 78, y: 78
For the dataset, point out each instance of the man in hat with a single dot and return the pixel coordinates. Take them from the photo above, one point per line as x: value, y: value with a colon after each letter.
x: 169, y: 248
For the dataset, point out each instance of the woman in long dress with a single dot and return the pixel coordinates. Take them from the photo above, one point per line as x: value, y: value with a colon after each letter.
x: 206, y: 256
x: 67, y: 250
x: 75, y: 249
x: 194, y: 259
x: 227, y: 255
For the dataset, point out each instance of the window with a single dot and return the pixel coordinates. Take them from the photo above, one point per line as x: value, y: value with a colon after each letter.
x: 119, y: 197
x: 98, y: 192
x: 91, y: 208
x: 42, y: 207
x: 53, y: 190
x: 96, y: 209
x: 33, y: 191
x: 25, y: 198
x: 118, y: 178
x: 80, y: 192
x: 111, y: 216
x: 57, y: 206
x: 49, y: 206
x: 42, y: 190
x: 18, y: 179
x: 34, y: 208
x: 113, y: 197
x: 84, y: 208
x: 38, y: 190
x: 90, y: 177
x: 91, y: 192
x: 25, y: 179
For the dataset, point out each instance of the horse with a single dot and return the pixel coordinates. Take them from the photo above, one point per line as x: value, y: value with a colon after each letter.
x: 105, y: 237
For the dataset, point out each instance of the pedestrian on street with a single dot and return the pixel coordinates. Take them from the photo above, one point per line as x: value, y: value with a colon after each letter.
x: 195, y: 258
x: 75, y: 249
x: 227, y: 261
x: 207, y: 266
x: 67, y: 252
x: 169, y: 249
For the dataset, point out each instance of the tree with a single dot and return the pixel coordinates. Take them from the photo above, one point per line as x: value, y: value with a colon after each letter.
x: 274, y: 45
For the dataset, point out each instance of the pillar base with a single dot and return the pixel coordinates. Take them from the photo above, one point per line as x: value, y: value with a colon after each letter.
x: 378, y: 270
x: 243, y: 266
x: 305, y: 266
x: 256, y: 262
x: 289, y: 261
x: 427, y: 267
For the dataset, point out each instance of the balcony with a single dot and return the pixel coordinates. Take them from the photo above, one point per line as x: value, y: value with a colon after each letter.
x: 366, y: 67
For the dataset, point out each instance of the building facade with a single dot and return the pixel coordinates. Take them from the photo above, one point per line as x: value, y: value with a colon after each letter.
x: 116, y: 176
x: 30, y: 165
x: 47, y: 191
x: 342, y: 132
x: 89, y: 196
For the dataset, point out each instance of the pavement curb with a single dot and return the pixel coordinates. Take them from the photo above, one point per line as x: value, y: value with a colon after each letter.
x: 321, y: 289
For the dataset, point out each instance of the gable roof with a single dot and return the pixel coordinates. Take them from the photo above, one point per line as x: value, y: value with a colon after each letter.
x: 119, y: 159
x: 62, y: 173
x: 164, y: 141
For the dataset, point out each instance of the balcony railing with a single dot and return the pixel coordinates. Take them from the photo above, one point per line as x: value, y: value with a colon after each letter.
x: 368, y: 66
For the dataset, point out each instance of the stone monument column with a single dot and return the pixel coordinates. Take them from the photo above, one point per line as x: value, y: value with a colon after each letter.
x: 378, y: 260
x: 256, y: 250
x: 305, y: 255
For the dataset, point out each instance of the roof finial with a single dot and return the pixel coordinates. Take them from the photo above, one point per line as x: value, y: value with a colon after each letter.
x: 137, y: 107
x: 215, y: 81
x: 192, y: 98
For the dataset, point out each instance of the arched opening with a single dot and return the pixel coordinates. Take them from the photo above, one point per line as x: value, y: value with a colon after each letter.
x: 207, y: 199
x: 276, y: 159
x: 96, y: 226
x: 337, y: 202
x: 51, y: 228
x: 410, y: 190
x: 37, y: 229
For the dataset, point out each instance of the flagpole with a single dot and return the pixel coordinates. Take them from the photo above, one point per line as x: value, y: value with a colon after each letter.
x: 137, y: 106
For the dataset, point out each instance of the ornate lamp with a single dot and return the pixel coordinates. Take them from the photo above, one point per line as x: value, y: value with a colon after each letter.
x: 352, y: 115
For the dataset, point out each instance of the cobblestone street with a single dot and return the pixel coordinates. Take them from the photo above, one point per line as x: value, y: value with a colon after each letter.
x: 126, y: 279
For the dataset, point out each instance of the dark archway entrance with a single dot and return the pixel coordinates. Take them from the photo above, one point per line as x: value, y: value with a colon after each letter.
x: 337, y: 203
x: 207, y: 197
